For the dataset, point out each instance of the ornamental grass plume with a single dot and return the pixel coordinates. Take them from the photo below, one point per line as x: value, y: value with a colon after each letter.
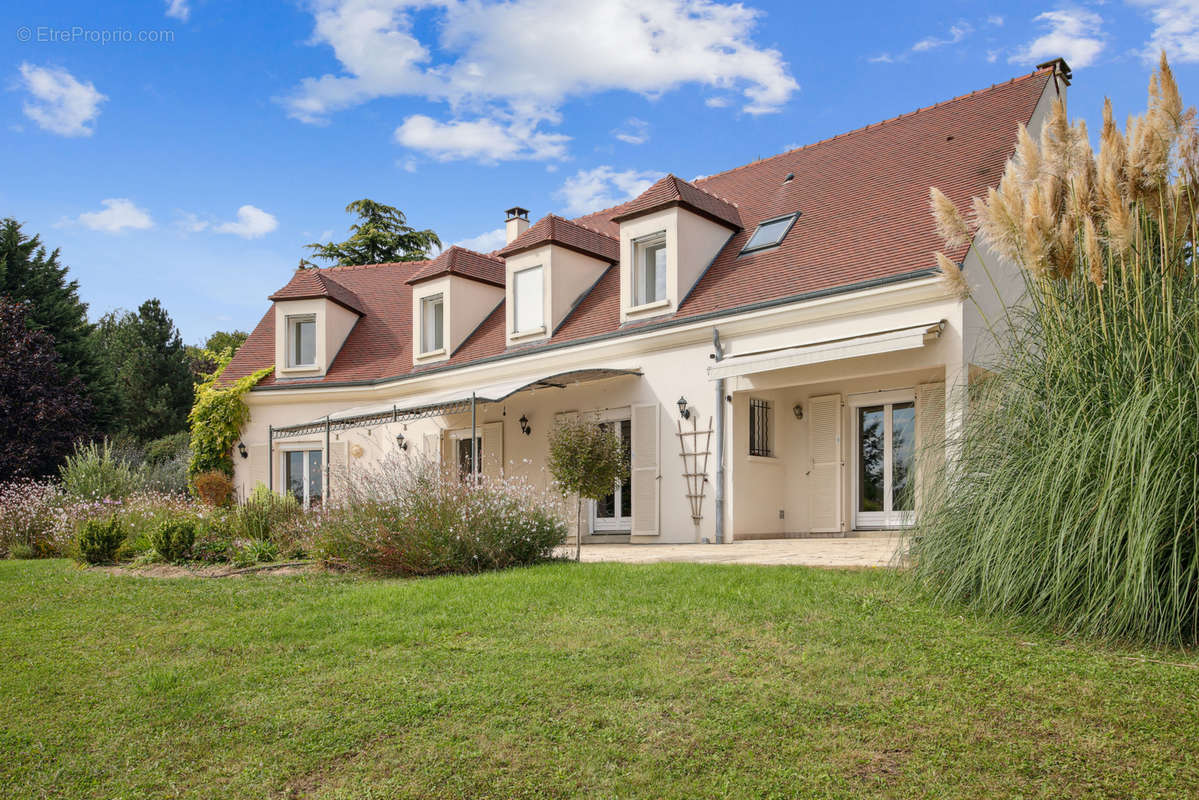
x: 1074, y: 494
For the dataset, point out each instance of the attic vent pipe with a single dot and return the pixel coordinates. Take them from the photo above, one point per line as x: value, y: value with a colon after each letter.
x: 790, y: 177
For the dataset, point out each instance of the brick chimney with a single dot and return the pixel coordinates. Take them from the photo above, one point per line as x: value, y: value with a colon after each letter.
x: 516, y: 223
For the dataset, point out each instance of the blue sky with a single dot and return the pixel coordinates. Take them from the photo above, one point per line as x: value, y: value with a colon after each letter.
x: 187, y: 149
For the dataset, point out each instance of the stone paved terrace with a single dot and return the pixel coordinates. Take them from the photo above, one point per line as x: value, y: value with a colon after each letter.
x: 864, y: 550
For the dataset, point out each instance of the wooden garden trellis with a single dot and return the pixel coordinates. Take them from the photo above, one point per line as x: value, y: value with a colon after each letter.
x: 695, y: 463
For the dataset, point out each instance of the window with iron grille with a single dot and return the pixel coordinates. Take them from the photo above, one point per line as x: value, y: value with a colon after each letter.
x: 759, y: 428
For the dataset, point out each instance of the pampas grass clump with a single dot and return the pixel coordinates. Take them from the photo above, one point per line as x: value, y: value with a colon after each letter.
x: 1074, y: 497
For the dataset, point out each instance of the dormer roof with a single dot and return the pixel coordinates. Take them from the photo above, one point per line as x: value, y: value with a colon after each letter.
x: 552, y: 229
x: 465, y: 263
x: 310, y: 284
x: 674, y: 191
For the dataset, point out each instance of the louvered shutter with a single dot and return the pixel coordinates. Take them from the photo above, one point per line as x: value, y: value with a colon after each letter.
x: 257, y: 471
x: 493, y: 450
x: 339, y: 471
x: 645, y: 470
x: 824, y: 449
x: 930, y: 434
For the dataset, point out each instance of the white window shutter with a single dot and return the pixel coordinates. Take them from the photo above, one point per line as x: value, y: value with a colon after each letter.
x: 257, y: 471
x: 930, y: 434
x: 824, y: 449
x: 645, y: 469
x: 493, y: 450
x: 339, y: 471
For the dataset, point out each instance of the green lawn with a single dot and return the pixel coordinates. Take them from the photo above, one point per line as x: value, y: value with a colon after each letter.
x: 565, y: 681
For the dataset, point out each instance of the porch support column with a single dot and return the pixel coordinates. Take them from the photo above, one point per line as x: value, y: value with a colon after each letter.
x: 270, y: 457
x: 474, y: 442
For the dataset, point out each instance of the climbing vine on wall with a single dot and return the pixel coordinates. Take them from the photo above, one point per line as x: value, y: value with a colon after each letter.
x: 217, y: 417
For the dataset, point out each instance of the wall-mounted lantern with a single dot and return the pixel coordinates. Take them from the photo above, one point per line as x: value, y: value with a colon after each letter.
x: 798, y: 411
x: 524, y: 425
x: 684, y: 412
x: 241, y: 450
x: 401, y: 442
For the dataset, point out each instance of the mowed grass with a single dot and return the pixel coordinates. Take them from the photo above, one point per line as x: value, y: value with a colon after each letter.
x: 604, y: 680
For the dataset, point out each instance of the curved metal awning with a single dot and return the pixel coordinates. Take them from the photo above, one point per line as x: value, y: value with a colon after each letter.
x: 441, y: 404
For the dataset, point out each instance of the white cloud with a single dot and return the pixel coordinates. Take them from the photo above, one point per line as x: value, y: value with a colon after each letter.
x: 882, y: 58
x: 1074, y: 34
x: 251, y: 223
x: 119, y: 214
x: 192, y: 223
x: 635, y: 131
x: 61, y: 104
x: 1176, y: 29
x: 178, y: 9
x: 592, y: 189
x: 995, y: 20
x: 486, y: 242
x: 957, y: 33
x: 486, y: 140
x: 716, y: 102
x: 521, y: 59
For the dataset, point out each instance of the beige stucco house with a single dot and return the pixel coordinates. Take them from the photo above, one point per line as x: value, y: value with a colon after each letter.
x: 781, y: 323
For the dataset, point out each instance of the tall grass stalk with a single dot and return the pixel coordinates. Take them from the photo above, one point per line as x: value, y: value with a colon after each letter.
x: 1075, y: 494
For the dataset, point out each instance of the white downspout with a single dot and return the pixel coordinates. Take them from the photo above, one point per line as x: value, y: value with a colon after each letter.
x: 719, y: 415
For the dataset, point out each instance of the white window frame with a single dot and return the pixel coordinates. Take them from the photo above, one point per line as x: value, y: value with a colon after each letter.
x: 640, y: 249
x: 293, y: 326
x: 306, y: 449
x: 426, y: 306
x: 887, y: 518
x: 517, y: 303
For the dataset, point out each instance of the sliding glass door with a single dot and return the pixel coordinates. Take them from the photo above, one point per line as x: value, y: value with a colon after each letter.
x: 884, y: 451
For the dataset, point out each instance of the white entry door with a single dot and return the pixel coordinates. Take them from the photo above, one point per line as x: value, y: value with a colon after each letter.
x: 884, y: 426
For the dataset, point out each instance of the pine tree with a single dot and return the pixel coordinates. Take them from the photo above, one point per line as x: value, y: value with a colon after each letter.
x: 150, y: 370
x: 382, y: 236
x: 35, y: 278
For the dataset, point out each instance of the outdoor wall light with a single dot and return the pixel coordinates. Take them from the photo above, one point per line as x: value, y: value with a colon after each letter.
x: 241, y: 450
x: 684, y: 412
x: 798, y: 411
x: 524, y: 425
x: 401, y: 442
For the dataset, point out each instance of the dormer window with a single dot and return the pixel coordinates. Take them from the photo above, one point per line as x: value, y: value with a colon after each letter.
x: 770, y: 233
x: 301, y: 337
x: 528, y: 298
x: 649, y: 270
x: 432, y: 324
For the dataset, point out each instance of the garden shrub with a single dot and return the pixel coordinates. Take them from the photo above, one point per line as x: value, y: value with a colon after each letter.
x: 409, y: 519
x: 99, y: 540
x: 1075, y: 496
x: 96, y: 471
x: 255, y: 551
x: 213, y: 487
x: 173, y: 538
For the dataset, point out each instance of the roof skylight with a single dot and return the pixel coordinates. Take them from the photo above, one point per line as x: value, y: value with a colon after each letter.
x: 770, y: 232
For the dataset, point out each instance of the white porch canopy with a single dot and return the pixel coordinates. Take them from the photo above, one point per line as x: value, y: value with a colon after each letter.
x: 869, y: 344
x: 442, y: 403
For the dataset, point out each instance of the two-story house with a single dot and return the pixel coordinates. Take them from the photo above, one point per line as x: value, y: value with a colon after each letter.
x: 781, y: 323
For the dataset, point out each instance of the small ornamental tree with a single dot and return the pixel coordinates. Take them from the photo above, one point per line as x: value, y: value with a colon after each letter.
x: 587, y: 460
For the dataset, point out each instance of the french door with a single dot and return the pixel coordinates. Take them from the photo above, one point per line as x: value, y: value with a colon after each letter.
x: 884, y: 451
x: 614, y: 513
x: 303, y: 476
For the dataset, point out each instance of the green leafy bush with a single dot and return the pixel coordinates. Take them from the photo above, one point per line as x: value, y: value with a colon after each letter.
x: 99, y: 540
x: 256, y: 551
x: 96, y: 471
x: 409, y: 519
x: 30, y: 516
x: 213, y: 487
x: 217, y: 417
x: 586, y: 459
x: 173, y: 539
x: 1075, y: 496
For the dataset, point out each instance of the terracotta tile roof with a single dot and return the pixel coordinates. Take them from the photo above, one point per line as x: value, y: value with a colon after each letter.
x: 552, y: 228
x: 467, y: 263
x: 864, y: 198
x: 308, y: 284
x: 673, y: 191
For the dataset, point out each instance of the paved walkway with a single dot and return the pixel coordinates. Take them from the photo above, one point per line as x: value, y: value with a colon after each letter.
x: 863, y: 551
